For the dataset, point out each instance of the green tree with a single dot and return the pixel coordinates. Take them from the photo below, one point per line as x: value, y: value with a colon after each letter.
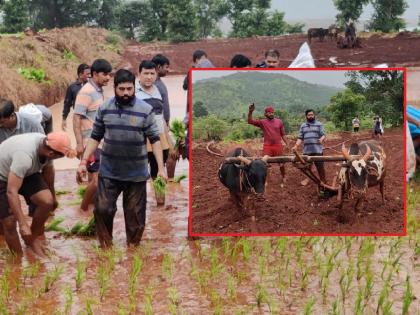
x: 182, y: 21
x: 384, y: 92
x: 295, y: 28
x: 251, y: 17
x: 16, y: 16
x: 344, y: 106
x: 387, y: 15
x: 107, y: 17
x: 62, y: 13
x: 199, y: 110
x: 349, y: 9
x: 209, y: 12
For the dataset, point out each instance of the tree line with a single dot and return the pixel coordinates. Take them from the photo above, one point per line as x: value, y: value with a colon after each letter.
x: 181, y: 20
x: 367, y: 94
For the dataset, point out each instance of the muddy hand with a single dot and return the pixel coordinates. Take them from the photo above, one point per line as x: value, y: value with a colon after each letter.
x: 79, y: 150
x: 81, y: 174
x: 25, y: 233
x: 162, y: 175
x: 251, y: 107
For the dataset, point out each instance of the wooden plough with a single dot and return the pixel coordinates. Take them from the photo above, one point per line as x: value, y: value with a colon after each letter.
x: 304, y: 164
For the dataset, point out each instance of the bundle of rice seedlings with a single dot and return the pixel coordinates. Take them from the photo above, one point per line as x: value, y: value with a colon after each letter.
x: 83, y: 229
x: 54, y: 225
x: 178, y: 131
x: 81, y: 191
x: 179, y: 178
x: 159, y: 186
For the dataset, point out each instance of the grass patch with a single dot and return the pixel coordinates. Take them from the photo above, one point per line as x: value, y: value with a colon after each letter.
x: 34, y: 74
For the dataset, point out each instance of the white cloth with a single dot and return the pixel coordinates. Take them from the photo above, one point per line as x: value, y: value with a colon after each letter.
x: 32, y: 110
x: 304, y: 58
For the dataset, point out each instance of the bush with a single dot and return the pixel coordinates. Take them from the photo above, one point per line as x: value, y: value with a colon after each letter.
x: 34, y: 74
x: 209, y: 128
x: 112, y: 39
x: 242, y: 130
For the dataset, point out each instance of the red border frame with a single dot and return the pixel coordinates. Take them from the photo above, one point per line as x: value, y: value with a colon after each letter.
x: 191, y: 233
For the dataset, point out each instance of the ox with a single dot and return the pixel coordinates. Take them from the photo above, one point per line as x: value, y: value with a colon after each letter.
x: 317, y: 32
x: 244, y: 179
x: 356, y: 175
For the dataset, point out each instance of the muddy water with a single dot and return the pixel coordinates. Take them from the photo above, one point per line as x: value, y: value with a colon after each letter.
x: 229, y: 276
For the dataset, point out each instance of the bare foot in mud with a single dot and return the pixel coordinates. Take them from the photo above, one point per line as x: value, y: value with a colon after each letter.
x: 38, y: 247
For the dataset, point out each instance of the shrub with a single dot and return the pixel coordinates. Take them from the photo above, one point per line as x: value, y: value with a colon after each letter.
x: 34, y: 74
x: 68, y: 55
x: 242, y: 130
x: 209, y: 128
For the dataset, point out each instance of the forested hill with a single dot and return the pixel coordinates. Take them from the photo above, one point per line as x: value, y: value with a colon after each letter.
x: 232, y: 94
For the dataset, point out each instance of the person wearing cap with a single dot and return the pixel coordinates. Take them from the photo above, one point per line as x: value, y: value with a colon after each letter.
x: 312, y: 135
x: 83, y: 74
x: 22, y: 159
x: 124, y: 122
x: 88, y: 100
x: 273, y: 130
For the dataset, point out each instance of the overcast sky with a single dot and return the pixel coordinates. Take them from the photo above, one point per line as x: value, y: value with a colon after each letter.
x: 327, y: 77
x: 325, y: 9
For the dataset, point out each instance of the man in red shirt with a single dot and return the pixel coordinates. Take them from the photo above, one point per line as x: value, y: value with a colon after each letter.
x: 274, y: 132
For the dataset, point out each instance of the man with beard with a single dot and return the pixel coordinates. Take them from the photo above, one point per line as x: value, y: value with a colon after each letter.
x: 312, y: 134
x: 273, y: 130
x: 124, y: 122
x: 88, y: 100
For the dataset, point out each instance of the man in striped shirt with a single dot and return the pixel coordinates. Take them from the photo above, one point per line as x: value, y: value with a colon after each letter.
x: 312, y: 134
x: 124, y: 123
x: 88, y: 100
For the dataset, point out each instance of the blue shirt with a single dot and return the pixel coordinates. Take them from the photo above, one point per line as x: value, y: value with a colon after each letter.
x: 124, y: 129
x: 310, y: 133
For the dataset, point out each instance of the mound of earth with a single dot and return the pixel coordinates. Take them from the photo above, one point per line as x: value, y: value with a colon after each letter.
x: 295, y: 209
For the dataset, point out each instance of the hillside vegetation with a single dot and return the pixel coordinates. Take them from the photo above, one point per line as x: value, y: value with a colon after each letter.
x: 39, y: 68
x: 230, y: 96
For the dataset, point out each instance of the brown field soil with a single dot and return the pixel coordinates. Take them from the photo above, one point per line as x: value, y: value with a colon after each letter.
x: 295, y: 209
x: 397, y: 50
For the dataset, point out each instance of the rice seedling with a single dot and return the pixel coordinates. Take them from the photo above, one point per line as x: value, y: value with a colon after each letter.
x: 121, y: 310
x: 231, y: 289
x: 88, y: 305
x: 383, y: 296
x: 68, y: 294
x: 80, y: 273
x: 334, y: 308
x: 226, y: 245
x: 4, y: 284
x: 59, y: 192
x: 148, y: 300
x: 178, y: 131
x: 54, y: 225
x: 168, y: 266
x: 81, y: 191
x: 281, y: 246
x: 304, y: 278
x: 262, y: 295
x: 103, y: 277
x: 173, y: 300
x: 408, y: 296
x: 179, y: 178
x: 159, y: 186
x: 309, y: 307
x: 83, y: 229
x: 133, y: 281
x: 50, y: 277
x: 216, y: 267
x: 358, y: 305
x: 216, y: 301
x: 246, y: 248
x: 262, y: 266
x: 368, y: 289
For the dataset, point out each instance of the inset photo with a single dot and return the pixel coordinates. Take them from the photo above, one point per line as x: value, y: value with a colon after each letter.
x: 297, y: 152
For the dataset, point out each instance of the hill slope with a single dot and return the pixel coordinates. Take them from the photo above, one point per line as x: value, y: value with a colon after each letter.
x: 231, y: 95
x: 57, y: 52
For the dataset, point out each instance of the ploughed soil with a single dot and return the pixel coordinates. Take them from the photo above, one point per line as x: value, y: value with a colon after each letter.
x: 397, y: 50
x: 297, y: 209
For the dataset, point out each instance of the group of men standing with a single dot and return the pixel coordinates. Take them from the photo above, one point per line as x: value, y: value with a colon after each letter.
x: 117, y: 139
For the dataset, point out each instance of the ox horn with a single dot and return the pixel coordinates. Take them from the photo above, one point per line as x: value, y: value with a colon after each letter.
x: 244, y: 160
x: 367, y: 154
x: 345, y: 152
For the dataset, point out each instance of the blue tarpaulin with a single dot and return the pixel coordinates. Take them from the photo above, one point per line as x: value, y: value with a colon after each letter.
x: 415, y: 113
